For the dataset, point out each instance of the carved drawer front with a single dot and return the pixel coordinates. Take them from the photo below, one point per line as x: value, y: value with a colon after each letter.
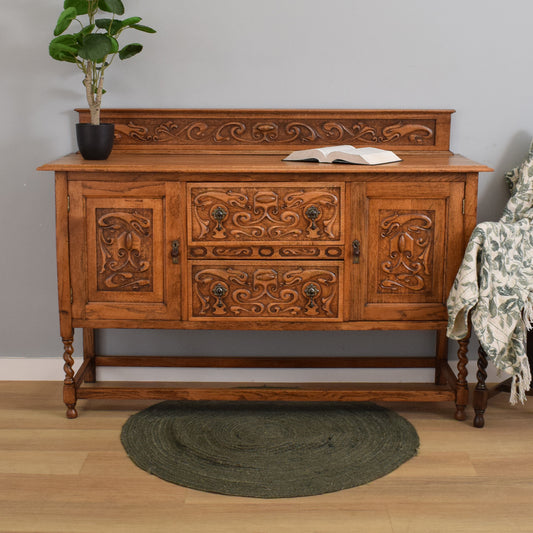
x: 270, y: 213
x: 121, y: 261
x: 277, y: 290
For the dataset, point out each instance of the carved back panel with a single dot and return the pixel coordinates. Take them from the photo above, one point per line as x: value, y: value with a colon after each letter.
x: 275, y: 130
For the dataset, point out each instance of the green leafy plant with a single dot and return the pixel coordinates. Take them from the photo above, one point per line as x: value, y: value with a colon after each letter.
x: 94, y: 47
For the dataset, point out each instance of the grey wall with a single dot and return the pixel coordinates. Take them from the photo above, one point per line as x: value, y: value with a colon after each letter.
x: 474, y: 56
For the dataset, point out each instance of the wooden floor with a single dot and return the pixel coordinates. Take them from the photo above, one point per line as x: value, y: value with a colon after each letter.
x: 59, y: 475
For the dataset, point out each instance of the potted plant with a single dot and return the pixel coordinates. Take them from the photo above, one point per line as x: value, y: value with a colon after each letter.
x: 92, y: 49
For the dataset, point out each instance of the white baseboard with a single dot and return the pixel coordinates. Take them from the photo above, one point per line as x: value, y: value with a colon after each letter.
x: 51, y: 369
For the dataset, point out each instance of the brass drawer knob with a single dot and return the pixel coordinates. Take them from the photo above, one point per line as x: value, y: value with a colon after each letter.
x: 219, y: 291
x: 311, y: 291
x: 219, y: 214
x: 312, y: 213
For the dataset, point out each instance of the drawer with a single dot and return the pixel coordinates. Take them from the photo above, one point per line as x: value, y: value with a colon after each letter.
x: 277, y: 290
x: 265, y: 213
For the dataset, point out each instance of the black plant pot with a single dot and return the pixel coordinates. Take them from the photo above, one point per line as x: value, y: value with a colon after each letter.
x: 95, y: 142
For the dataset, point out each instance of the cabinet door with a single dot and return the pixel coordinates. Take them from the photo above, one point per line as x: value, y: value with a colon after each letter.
x: 408, y: 241
x: 124, y: 244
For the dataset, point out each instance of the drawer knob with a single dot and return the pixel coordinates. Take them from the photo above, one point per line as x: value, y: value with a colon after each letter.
x: 312, y: 213
x: 219, y: 214
x: 219, y: 291
x: 311, y: 291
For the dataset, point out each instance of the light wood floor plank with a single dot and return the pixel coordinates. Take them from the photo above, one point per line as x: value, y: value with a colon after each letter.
x: 59, y: 475
x: 39, y: 462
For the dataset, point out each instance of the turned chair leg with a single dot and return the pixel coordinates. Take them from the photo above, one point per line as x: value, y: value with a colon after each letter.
x: 481, y: 394
x: 461, y: 393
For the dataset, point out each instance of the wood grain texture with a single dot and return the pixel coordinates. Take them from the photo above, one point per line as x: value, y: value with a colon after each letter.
x: 120, y: 248
x: 62, y: 254
x: 461, y: 480
x: 360, y: 325
x: 224, y: 164
x: 265, y: 362
x: 266, y: 291
x: 407, y: 261
x: 89, y: 351
x: 195, y: 222
x: 263, y: 130
x: 289, y: 212
x: 309, y: 392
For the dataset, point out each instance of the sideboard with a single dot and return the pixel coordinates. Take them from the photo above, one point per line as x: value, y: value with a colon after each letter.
x: 195, y: 222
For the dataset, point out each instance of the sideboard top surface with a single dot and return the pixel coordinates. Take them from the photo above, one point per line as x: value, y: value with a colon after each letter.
x: 258, y: 163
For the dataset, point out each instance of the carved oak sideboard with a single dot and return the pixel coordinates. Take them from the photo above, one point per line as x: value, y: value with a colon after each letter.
x: 195, y: 222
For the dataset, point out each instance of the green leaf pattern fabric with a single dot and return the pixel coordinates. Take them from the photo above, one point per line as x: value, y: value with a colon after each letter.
x: 495, y: 283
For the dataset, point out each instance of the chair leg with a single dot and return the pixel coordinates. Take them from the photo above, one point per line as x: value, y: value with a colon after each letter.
x: 461, y: 393
x: 481, y: 394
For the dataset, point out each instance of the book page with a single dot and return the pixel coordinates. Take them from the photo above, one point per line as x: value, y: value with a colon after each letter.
x: 370, y: 150
x: 364, y: 156
x: 343, y: 148
x: 320, y: 154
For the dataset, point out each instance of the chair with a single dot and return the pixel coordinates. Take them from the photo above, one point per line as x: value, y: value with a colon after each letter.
x: 493, y: 292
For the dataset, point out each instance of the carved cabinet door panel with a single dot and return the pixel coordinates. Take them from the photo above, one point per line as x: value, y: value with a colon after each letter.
x: 406, y: 249
x: 124, y: 250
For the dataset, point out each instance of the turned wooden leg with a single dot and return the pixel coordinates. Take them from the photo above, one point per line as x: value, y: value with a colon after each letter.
x: 88, y: 355
x: 481, y: 394
x: 461, y: 392
x: 69, y: 387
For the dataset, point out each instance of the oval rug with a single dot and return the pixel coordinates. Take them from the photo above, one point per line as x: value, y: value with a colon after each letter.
x: 271, y: 449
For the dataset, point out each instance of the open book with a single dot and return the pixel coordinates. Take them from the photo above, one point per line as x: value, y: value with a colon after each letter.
x: 345, y: 154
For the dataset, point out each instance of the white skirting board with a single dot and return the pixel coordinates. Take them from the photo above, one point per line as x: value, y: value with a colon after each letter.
x: 51, y: 369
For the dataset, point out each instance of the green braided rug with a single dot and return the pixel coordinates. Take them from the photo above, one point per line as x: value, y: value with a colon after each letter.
x: 268, y: 450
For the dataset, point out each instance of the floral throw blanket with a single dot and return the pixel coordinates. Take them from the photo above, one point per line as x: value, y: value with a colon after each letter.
x: 495, y: 283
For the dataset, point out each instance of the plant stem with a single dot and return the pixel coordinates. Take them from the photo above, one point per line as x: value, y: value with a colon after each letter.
x: 90, y: 93
x: 99, y: 91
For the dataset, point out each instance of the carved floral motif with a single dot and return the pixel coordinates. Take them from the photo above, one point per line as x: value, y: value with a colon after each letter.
x: 266, y: 214
x: 405, y: 250
x: 252, y: 291
x: 125, y: 249
x: 278, y: 131
x: 161, y: 132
